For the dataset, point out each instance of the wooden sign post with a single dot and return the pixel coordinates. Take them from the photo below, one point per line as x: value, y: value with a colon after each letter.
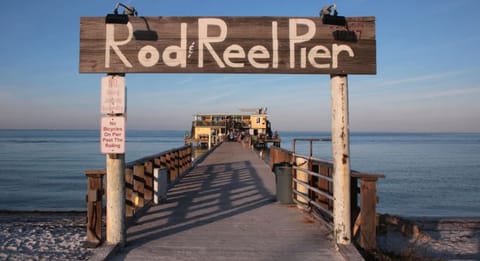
x: 112, y: 141
x: 287, y: 45
x: 341, y: 159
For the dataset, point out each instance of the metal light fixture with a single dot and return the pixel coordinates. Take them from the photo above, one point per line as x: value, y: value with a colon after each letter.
x: 116, y: 18
x: 334, y: 19
x: 145, y: 35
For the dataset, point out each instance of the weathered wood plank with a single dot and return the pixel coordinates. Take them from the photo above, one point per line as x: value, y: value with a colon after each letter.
x: 296, y: 45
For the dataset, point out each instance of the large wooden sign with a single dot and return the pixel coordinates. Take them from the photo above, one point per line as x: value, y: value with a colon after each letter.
x: 227, y: 45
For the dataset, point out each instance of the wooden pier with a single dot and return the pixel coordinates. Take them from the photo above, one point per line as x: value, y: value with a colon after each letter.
x: 225, y: 209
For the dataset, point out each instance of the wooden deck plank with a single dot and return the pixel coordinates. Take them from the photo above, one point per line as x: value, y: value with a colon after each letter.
x: 225, y: 209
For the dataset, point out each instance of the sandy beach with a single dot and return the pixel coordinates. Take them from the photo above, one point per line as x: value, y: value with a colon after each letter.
x: 60, y: 235
x: 42, y: 236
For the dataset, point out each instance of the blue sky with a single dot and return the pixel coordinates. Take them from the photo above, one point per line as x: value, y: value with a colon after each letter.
x: 428, y: 70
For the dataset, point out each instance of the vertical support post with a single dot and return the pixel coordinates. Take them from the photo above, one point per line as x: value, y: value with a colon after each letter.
x: 209, y: 141
x: 129, y: 194
x: 324, y: 186
x: 116, y: 199
x: 368, y: 206
x: 148, y: 179
x: 177, y: 163
x: 341, y: 159
x: 94, y: 207
x: 139, y: 185
x: 302, y: 165
x: 115, y: 163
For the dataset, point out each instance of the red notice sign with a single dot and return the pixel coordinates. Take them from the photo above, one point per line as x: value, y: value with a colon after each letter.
x: 112, y: 135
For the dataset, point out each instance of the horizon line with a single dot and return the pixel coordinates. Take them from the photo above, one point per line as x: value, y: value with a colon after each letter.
x: 307, y: 131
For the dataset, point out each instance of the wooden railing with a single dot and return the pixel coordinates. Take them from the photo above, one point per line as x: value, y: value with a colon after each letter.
x: 139, y: 189
x: 312, y: 187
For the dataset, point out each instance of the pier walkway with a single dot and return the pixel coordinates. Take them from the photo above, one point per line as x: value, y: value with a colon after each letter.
x: 225, y: 209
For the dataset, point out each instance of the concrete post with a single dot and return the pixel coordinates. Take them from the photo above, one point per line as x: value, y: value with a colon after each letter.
x: 341, y: 159
x: 116, y: 199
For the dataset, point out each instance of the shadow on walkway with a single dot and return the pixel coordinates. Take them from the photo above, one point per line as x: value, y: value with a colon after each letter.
x: 207, y: 194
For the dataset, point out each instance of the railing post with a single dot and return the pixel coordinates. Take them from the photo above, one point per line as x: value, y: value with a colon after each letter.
x: 138, y: 185
x: 278, y: 155
x: 311, y: 180
x: 273, y: 156
x: 367, y: 220
x: 180, y: 162
x: 183, y: 163
x: 324, y: 186
x: 129, y: 193
x: 164, y: 163
x: 190, y: 156
x: 148, y: 178
x: 177, y: 164
x: 301, y: 163
x: 171, y: 166
x: 94, y: 207
x: 355, y: 208
x: 368, y: 206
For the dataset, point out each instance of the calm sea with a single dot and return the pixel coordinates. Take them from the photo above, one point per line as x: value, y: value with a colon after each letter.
x: 426, y: 174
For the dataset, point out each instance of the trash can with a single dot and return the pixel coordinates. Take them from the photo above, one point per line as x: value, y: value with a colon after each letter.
x: 283, y: 182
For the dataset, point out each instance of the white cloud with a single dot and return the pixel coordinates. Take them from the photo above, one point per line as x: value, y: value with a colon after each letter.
x: 417, y: 79
x: 452, y: 93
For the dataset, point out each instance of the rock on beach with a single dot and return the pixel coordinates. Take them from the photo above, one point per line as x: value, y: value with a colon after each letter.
x: 43, y: 236
x: 429, y: 238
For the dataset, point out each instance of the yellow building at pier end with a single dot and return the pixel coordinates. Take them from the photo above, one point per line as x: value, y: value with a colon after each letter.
x: 217, y: 127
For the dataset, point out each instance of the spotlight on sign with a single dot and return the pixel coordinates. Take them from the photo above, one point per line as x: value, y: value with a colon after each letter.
x: 328, y: 18
x: 145, y: 35
x: 116, y: 18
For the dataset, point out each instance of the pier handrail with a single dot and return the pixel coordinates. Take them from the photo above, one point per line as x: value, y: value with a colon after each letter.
x: 139, y: 189
x: 312, y: 186
x: 154, y: 156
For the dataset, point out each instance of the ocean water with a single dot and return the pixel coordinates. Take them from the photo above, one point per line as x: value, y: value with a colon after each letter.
x: 44, y: 169
x: 435, y: 175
